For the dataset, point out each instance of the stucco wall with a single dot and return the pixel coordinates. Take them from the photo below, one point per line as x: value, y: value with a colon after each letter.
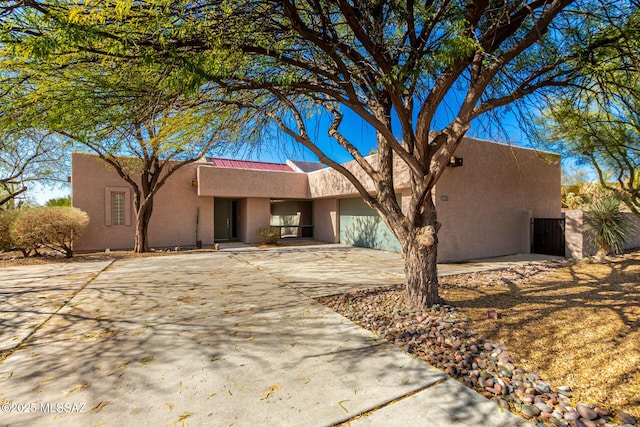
x: 576, y: 244
x: 255, y: 212
x: 577, y: 241
x: 489, y: 200
x: 634, y: 240
x: 237, y: 183
x: 486, y: 204
x: 325, y: 220
x: 173, y: 221
x: 329, y: 183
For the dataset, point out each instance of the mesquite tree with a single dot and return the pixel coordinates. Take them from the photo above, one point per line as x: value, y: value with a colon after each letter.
x: 27, y: 157
x: 417, y: 73
x: 142, y: 133
x: 598, y: 121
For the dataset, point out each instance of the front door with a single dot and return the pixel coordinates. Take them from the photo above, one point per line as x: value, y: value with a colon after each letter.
x: 225, y: 212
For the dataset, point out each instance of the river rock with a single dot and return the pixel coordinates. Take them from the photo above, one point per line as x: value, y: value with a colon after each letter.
x: 626, y: 418
x: 543, y: 387
x: 559, y: 423
x: 544, y: 407
x: 530, y: 411
x: 586, y: 412
x: 571, y: 416
x: 507, y: 373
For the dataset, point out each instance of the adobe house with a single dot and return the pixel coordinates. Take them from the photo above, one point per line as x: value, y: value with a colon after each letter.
x: 485, y: 202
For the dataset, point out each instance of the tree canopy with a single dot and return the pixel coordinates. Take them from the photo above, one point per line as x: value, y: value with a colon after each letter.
x: 417, y: 73
x: 598, y: 120
x: 28, y: 156
x: 123, y: 111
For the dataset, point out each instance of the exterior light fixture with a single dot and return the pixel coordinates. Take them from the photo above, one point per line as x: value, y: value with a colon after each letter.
x: 455, y: 162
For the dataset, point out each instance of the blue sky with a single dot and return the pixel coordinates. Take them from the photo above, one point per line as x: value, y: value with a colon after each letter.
x: 277, y: 148
x: 363, y: 137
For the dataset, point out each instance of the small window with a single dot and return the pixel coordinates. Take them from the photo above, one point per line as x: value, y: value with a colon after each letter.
x: 117, y: 206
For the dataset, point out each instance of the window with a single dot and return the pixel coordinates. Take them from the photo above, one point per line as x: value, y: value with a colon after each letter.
x: 117, y: 206
x: 117, y: 203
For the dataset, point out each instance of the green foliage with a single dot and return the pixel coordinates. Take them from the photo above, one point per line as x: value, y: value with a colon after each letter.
x: 597, y: 120
x: 60, y: 201
x: 607, y: 225
x: 269, y: 235
x: 435, y: 67
x: 577, y: 195
x: 606, y: 136
x: 52, y: 227
x: 73, y: 75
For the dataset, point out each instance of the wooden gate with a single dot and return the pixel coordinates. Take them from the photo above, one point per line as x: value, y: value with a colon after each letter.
x: 547, y: 236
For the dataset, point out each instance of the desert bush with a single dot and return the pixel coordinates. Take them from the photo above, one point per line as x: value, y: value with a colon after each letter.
x: 52, y: 227
x: 25, y: 231
x: 6, y: 218
x: 269, y: 235
x: 608, y: 226
x: 65, y: 224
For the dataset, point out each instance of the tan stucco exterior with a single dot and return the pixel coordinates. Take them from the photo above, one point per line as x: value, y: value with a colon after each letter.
x: 325, y: 217
x: 254, y: 214
x: 329, y: 183
x: 174, y: 215
x: 578, y: 237
x: 230, y: 183
x: 493, y: 197
x: 484, y: 206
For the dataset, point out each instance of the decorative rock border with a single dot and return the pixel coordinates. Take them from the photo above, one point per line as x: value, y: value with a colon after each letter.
x: 446, y: 341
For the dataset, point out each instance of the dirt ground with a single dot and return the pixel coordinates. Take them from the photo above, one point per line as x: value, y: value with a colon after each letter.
x: 578, y: 325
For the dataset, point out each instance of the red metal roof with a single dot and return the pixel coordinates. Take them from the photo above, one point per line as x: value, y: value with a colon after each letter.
x: 247, y: 164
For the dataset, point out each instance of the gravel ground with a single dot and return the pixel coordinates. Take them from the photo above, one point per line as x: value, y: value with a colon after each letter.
x: 443, y: 336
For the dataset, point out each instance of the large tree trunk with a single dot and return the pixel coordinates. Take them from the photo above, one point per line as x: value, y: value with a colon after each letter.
x: 420, y: 259
x: 143, y: 216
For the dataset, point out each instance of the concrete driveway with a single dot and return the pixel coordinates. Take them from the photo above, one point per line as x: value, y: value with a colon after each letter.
x: 213, y: 339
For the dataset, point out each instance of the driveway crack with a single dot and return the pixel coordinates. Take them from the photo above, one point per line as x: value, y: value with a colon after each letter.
x: 23, y: 343
x: 345, y: 423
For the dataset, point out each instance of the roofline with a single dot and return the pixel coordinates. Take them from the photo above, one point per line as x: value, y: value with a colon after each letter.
x: 507, y: 144
x: 245, y: 160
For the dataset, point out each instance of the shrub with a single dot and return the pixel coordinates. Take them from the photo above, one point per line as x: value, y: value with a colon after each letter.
x: 6, y: 218
x: 60, y: 201
x: 609, y: 227
x: 52, y: 227
x: 24, y: 231
x: 269, y: 235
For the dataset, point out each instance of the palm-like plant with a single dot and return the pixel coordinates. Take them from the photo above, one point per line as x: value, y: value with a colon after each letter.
x: 608, y: 226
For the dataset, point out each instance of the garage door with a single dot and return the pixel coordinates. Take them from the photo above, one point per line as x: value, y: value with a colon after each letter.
x: 361, y: 226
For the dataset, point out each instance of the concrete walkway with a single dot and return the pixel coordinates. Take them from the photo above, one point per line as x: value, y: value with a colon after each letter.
x: 214, y: 339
